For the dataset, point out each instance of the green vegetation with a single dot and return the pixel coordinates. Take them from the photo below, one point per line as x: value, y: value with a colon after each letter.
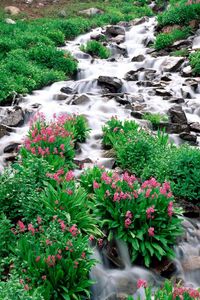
x: 180, y: 14
x: 164, y: 40
x: 95, y: 48
x: 195, y: 62
x: 155, y: 119
x: 145, y: 155
x: 29, y: 58
x: 182, y: 52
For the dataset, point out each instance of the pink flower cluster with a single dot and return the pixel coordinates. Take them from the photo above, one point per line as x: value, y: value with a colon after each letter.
x: 149, y: 212
x: 151, y: 231
x: 128, y: 219
x: 180, y: 291
x: 46, y: 138
x: 170, y: 209
x: 141, y: 283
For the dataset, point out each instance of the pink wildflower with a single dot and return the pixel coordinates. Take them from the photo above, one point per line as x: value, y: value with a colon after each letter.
x: 129, y: 214
x: 37, y: 259
x: 73, y: 230
x: 31, y: 228
x: 21, y: 226
x: 149, y: 212
x: 95, y: 185
x: 151, y: 231
x: 141, y: 283
x: 127, y: 222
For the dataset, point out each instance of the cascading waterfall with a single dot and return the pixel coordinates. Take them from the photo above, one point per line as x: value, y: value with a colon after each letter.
x: 98, y: 109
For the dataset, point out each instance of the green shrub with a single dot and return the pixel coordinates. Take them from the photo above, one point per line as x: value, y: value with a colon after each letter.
x: 155, y: 119
x: 95, y: 48
x: 182, y: 52
x: 195, y: 62
x: 180, y: 15
x: 140, y: 215
x: 164, y: 40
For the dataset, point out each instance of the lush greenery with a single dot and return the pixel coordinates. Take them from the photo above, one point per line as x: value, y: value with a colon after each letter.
x: 142, y: 215
x: 180, y: 14
x: 154, y: 118
x: 29, y: 58
x: 145, y: 155
x: 45, y: 222
x: 195, y: 62
x: 164, y: 40
x: 95, y: 48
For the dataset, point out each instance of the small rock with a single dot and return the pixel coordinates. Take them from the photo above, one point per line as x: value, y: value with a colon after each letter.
x: 166, y: 78
x: 122, y: 100
x: 138, y: 58
x: 122, y: 50
x: 114, y: 30
x: 187, y: 71
x: 139, y: 21
x: 173, y: 127
x: 191, y: 263
x: 97, y: 36
x: 11, y: 148
x: 118, y: 39
x: 181, y: 43
x: 192, y: 83
x: 67, y: 90
x: 62, y: 14
x: 196, y: 43
x: 14, y: 117
x: 59, y: 97
x: 83, y: 99
x: 10, y: 21
x: 137, y: 114
x: 177, y: 115
x: 176, y: 100
x: 4, y: 130
x: 172, y: 64
x: 133, y: 74
x: 195, y: 127
x: 91, y: 11
x: 12, y: 10
x: 163, y: 92
x: 113, y: 84
x: 188, y: 137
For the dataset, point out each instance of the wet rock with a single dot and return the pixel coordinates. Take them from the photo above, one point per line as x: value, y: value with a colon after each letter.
x: 177, y: 115
x: 122, y: 50
x: 195, y: 127
x: 186, y: 136
x: 12, y: 10
x: 192, y: 83
x: 166, y: 78
x: 122, y: 100
x: 60, y: 97
x: 168, y: 269
x: 35, y: 105
x: 11, y: 148
x: 11, y: 158
x: 133, y: 74
x: 173, y: 127
x: 83, y: 99
x: 139, y: 21
x: 172, y: 64
x: 196, y: 43
x: 62, y: 13
x: 10, y: 21
x: 137, y: 114
x: 114, y: 30
x: 163, y: 92
x: 185, y: 93
x: 136, y: 98
x: 181, y: 43
x: 176, y: 100
x: 187, y: 71
x: 97, y: 36
x: 4, y: 130
x: 14, y: 117
x: 138, y: 58
x: 113, y: 84
x: 91, y: 11
x: 80, y: 163
x: 150, y: 74
x: 67, y: 90
x: 191, y: 263
x: 118, y: 39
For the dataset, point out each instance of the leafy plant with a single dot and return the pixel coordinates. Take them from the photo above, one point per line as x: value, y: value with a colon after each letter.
x: 195, y: 62
x: 95, y: 48
x: 142, y: 215
x: 155, y: 119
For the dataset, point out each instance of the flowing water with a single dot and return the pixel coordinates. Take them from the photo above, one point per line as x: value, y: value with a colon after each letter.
x: 98, y: 109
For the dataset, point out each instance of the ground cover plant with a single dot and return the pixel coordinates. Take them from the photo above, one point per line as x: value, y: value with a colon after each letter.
x: 142, y: 215
x: 95, y: 48
x: 139, y: 152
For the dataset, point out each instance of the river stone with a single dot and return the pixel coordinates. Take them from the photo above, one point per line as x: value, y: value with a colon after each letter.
x: 176, y: 100
x: 11, y: 148
x: 196, y: 43
x: 67, y: 90
x: 14, y: 117
x: 181, y: 43
x: 60, y: 97
x: 12, y: 10
x: 192, y: 83
x: 187, y: 71
x: 191, y: 263
x: 122, y: 100
x: 91, y: 12
x: 97, y: 36
x: 188, y: 137
x: 114, y: 30
x: 150, y: 74
x: 122, y: 50
x: 139, y: 21
x: 195, y: 127
x: 133, y: 74
x: 172, y: 64
x: 118, y: 39
x: 166, y: 77
x: 10, y: 21
x: 83, y: 99
x: 163, y: 92
x: 173, y: 127
x: 4, y: 130
x: 177, y: 115
x: 138, y: 58
x: 137, y: 114
x: 113, y: 84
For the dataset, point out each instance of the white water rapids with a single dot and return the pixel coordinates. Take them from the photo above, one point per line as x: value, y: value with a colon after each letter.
x: 98, y: 111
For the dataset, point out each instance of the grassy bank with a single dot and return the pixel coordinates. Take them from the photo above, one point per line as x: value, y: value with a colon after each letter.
x: 29, y: 58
